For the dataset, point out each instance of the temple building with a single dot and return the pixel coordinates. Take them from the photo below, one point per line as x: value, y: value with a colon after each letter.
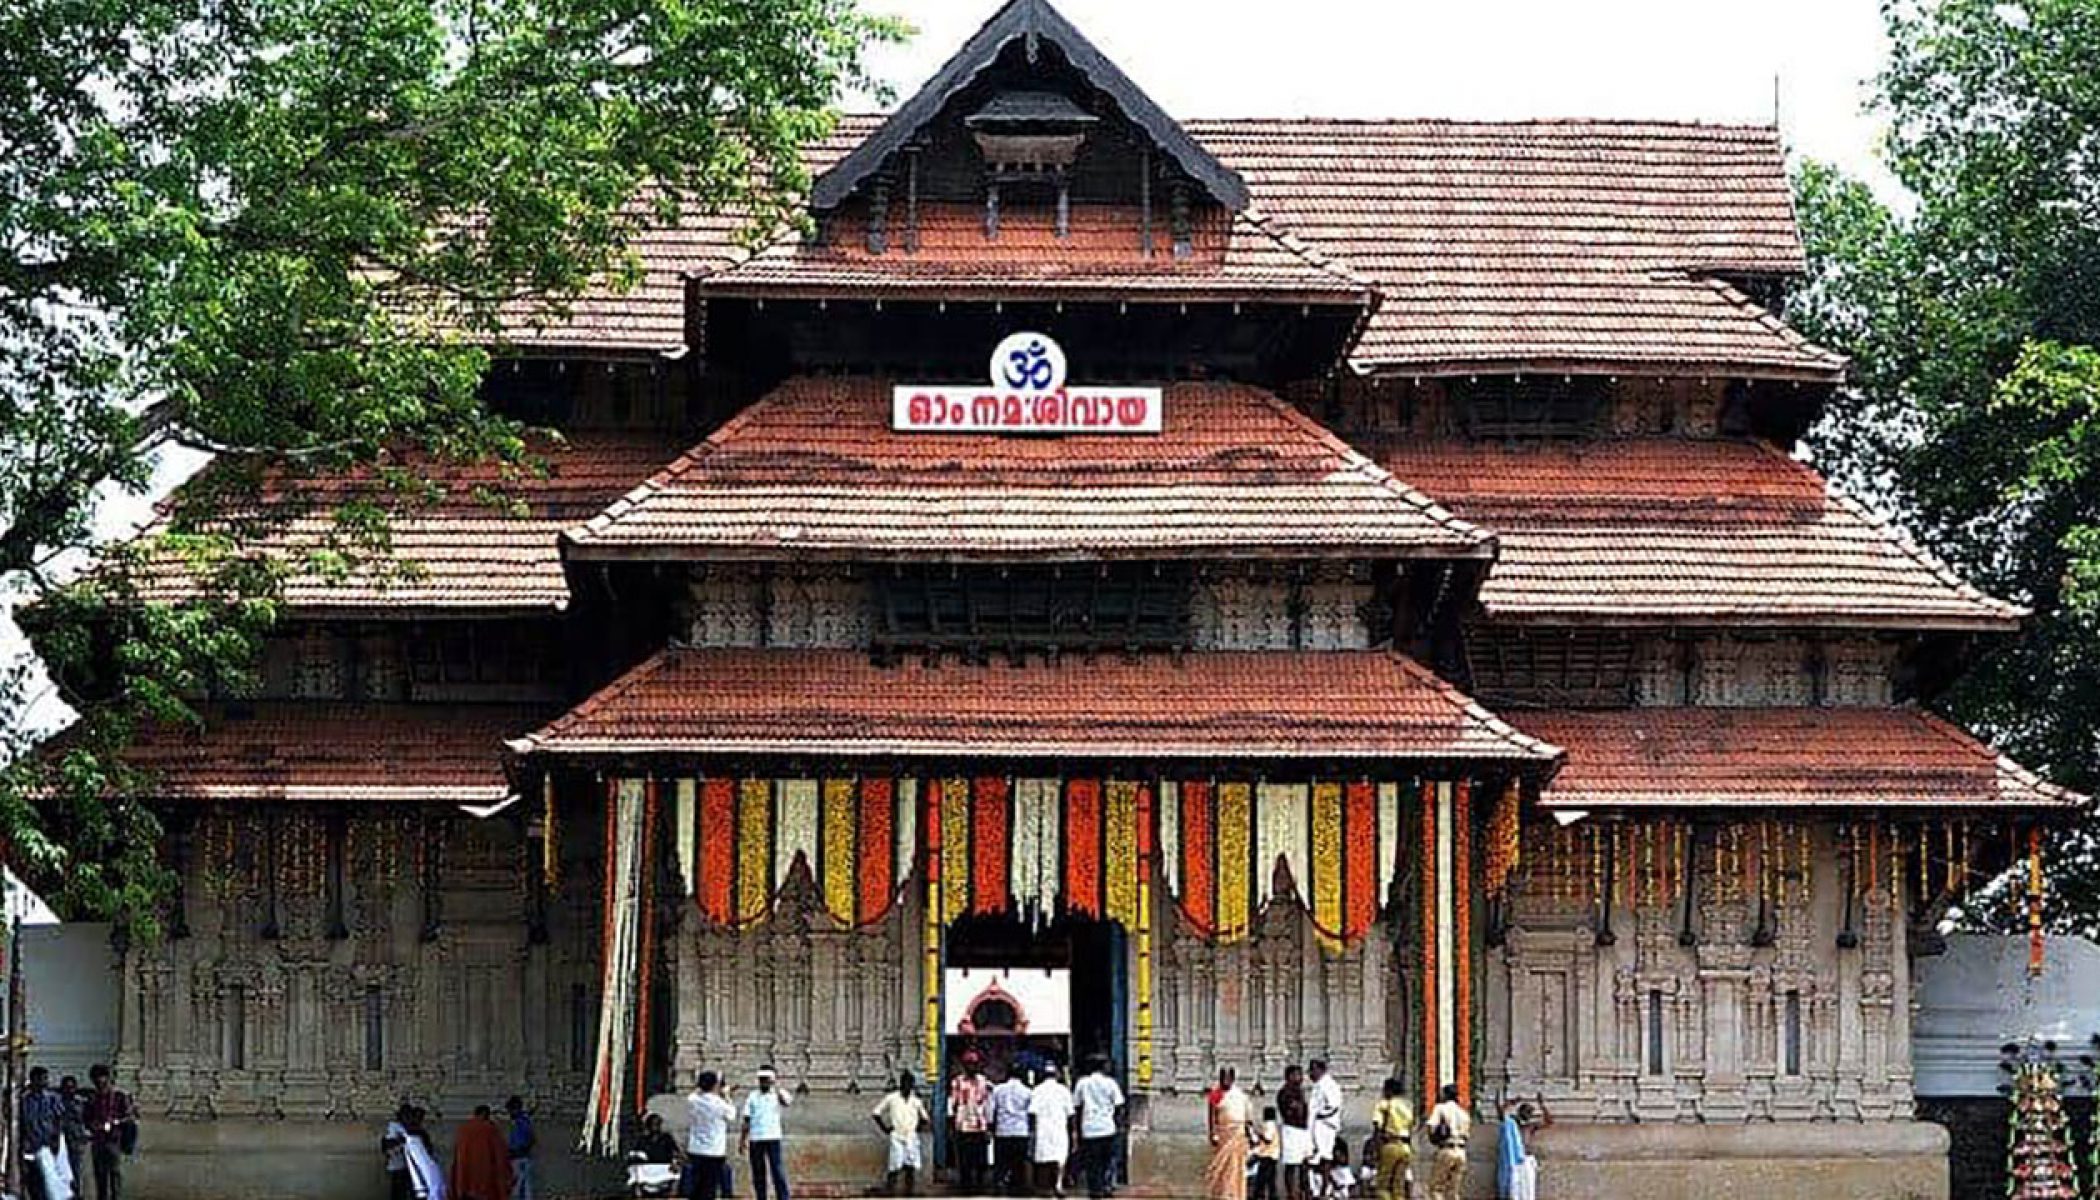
x: 1199, y: 592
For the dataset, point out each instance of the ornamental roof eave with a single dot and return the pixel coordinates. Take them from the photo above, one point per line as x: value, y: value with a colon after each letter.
x: 1653, y: 531
x: 814, y: 469
x: 1029, y: 20
x: 1213, y: 706
x: 1898, y: 759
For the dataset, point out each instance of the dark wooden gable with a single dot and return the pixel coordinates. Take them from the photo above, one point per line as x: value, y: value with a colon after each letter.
x: 1028, y: 51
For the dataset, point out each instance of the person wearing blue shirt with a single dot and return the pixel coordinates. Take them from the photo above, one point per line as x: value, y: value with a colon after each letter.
x: 522, y: 1142
x: 761, y: 1135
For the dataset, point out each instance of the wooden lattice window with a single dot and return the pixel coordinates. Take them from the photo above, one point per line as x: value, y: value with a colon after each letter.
x: 1505, y: 406
x: 1551, y: 668
x: 1033, y: 608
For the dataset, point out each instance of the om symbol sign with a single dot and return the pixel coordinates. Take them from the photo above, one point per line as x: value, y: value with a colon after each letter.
x: 1028, y: 362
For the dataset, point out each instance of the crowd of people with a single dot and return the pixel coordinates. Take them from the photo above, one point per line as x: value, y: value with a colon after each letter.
x: 489, y: 1161
x: 1016, y: 1129
x: 1294, y: 1150
x: 68, y: 1136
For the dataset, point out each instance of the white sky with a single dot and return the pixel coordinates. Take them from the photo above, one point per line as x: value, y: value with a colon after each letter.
x: 1696, y: 60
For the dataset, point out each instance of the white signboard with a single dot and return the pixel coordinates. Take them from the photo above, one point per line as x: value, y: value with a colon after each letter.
x: 1027, y: 393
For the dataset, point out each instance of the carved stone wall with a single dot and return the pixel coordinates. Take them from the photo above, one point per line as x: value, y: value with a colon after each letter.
x: 283, y: 995
x: 1269, y: 1000
x: 737, y: 606
x: 1736, y: 671
x: 1751, y: 1003
x: 833, y: 1008
x: 1257, y: 611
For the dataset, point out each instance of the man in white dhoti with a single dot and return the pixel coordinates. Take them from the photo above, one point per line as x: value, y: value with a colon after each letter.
x: 1325, y: 1102
x: 1050, y: 1110
x: 1517, y: 1171
x: 424, y: 1174
x: 900, y: 1116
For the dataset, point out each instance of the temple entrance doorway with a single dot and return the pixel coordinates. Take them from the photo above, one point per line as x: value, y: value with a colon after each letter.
x: 1023, y: 995
x: 1033, y: 994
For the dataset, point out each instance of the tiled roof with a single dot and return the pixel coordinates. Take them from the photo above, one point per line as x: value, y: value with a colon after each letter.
x: 1658, y: 529
x: 814, y: 469
x: 650, y: 317
x: 462, y: 553
x: 1780, y: 757
x: 325, y: 752
x: 1539, y: 244
x: 1232, y: 256
x: 1536, y: 245
x: 1257, y: 705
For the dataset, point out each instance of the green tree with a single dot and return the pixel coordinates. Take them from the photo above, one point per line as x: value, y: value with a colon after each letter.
x: 285, y: 231
x: 1972, y: 319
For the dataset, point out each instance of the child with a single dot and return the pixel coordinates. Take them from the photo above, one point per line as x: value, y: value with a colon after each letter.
x: 1268, y: 1143
x: 1341, y: 1179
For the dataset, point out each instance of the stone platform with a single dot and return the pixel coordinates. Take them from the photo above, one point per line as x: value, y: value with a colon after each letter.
x: 835, y: 1153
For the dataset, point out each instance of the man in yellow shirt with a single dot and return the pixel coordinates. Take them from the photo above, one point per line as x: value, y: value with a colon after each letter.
x: 1450, y: 1128
x: 1393, y: 1125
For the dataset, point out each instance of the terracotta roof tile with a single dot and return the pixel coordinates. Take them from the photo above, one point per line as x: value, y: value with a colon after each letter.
x: 1780, y: 757
x: 1535, y: 245
x: 814, y: 468
x: 1655, y: 529
x: 296, y: 751
x: 1366, y: 704
x: 463, y: 552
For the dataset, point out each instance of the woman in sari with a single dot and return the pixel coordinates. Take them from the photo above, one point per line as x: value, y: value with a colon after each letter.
x: 1230, y: 1113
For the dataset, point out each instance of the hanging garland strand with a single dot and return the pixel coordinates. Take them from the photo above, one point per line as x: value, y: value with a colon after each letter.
x: 2034, y: 902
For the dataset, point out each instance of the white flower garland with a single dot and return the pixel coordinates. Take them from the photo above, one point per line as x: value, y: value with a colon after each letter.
x: 796, y: 827
x: 1280, y: 832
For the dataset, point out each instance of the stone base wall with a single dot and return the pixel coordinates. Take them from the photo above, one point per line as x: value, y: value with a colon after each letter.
x: 315, y: 1160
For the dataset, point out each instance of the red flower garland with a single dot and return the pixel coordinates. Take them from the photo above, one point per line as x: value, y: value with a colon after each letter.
x: 878, y: 818
x: 989, y: 845
x: 1199, y: 884
x: 1083, y: 846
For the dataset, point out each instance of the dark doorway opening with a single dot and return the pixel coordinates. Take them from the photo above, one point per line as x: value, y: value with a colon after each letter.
x: 1093, y: 950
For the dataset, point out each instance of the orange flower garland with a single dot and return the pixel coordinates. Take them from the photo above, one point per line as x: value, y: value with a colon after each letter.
x: 2034, y: 901
x: 1462, y: 938
x: 1504, y: 842
x: 1427, y: 876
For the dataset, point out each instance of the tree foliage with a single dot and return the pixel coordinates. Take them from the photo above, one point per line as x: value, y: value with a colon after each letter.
x: 288, y: 231
x: 1972, y: 319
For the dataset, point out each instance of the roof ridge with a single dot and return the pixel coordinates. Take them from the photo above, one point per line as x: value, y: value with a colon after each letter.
x: 1367, y: 466
x: 670, y: 471
x: 1939, y: 567
x: 1535, y: 747
x: 589, y: 705
x: 1771, y: 320
x: 2001, y: 762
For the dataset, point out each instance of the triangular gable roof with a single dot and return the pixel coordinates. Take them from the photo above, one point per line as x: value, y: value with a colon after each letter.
x: 1033, y: 20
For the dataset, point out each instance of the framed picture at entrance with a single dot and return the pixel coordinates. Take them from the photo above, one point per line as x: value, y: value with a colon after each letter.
x: 1021, y: 1001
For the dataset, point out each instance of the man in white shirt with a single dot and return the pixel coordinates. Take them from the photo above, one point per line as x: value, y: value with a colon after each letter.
x: 1050, y: 1116
x: 708, y: 1118
x: 1010, y: 1133
x: 899, y: 1115
x: 762, y: 1133
x: 1324, y: 1098
x: 1100, y: 1103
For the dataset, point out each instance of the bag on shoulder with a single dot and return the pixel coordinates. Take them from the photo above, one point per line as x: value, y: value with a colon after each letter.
x: 1439, y: 1133
x: 128, y: 1136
